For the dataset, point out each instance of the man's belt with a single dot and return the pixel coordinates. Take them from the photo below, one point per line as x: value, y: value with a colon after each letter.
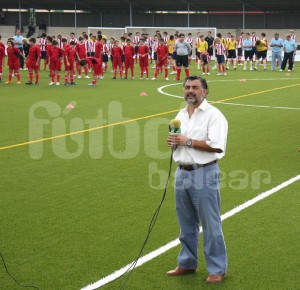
x: 195, y: 166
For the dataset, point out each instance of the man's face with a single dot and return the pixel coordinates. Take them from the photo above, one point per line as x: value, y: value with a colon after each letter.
x: 276, y: 36
x: 182, y: 38
x: 18, y: 32
x: 193, y: 92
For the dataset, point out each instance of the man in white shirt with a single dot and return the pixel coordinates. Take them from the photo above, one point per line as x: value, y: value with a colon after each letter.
x: 196, y: 150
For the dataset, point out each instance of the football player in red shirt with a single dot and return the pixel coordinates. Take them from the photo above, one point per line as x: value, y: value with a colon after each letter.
x: 116, y: 53
x: 162, y: 52
x: 48, y: 47
x: 69, y: 61
x: 99, y: 53
x: 2, y: 58
x: 13, y: 61
x: 143, y: 51
x: 129, y: 62
x: 33, y: 61
x: 96, y: 64
x: 81, y: 54
x: 55, y: 59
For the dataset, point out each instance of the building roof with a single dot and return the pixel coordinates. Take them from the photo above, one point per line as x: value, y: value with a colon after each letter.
x: 156, y: 5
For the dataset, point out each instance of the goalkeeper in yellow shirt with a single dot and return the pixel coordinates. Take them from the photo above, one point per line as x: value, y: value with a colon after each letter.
x: 202, y: 46
x: 231, y: 52
x: 261, y: 48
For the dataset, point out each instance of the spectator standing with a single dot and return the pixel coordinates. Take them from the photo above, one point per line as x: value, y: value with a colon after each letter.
x: 19, y: 45
x: 42, y: 27
x: 289, y: 48
x: 276, y: 44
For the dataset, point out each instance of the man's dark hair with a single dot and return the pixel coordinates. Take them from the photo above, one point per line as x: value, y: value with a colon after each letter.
x: 33, y: 40
x: 193, y: 78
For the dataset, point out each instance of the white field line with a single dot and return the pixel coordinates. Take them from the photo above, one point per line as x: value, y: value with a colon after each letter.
x: 174, y: 243
x: 160, y: 89
x: 256, y: 106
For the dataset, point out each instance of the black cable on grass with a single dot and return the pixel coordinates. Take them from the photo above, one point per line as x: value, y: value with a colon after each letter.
x: 12, y: 277
x: 151, y: 225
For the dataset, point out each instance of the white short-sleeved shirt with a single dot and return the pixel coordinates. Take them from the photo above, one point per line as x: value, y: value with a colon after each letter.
x: 206, y: 124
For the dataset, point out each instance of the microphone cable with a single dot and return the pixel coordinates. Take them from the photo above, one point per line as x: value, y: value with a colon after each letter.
x: 150, y: 228
x: 13, y: 278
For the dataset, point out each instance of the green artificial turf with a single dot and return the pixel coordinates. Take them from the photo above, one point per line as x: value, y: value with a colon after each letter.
x: 77, y: 208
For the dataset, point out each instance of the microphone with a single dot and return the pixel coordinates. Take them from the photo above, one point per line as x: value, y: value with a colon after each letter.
x: 174, y: 126
x: 174, y: 129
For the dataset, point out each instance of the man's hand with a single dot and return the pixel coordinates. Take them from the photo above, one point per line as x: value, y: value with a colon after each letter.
x: 177, y: 140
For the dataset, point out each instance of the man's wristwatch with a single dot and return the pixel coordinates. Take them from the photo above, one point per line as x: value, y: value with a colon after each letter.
x: 189, y: 143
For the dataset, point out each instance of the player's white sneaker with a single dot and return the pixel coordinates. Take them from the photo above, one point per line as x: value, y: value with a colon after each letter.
x: 57, y: 84
x: 79, y: 77
x: 219, y: 74
x: 153, y: 79
x: 203, y: 74
x: 51, y: 84
x: 141, y: 78
x: 173, y: 73
x: 208, y: 73
x: 225, y: 74
x: 251, y: 68
x: 87, y: 77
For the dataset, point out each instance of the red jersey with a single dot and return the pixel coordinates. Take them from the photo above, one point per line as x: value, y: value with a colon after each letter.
x: 81, y: 50
x: 48, y: 48
x: 2, y: 53
x: 2, y: 45
x: 70, y: 54
x: 13, y: 54
x: 55, y: 53
x: 34, y: 53
x: 143, y: 49
x: 162, y: 51
x: 117, y: 51
x: 129, y: 51
x: 98, y: 49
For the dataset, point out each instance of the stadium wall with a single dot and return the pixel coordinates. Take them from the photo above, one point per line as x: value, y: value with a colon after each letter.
x: 282, y: 20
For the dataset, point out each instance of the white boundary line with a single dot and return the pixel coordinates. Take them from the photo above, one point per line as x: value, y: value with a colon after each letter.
x: 176, y: 242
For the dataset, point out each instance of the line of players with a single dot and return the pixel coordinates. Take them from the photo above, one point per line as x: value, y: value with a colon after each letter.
x: 231, y: 51
x: 93, y: 52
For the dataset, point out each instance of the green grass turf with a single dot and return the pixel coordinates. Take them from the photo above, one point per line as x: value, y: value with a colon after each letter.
x: 67, y: 222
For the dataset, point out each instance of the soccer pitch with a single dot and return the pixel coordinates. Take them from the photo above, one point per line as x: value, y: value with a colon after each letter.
x: 79, y: 186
